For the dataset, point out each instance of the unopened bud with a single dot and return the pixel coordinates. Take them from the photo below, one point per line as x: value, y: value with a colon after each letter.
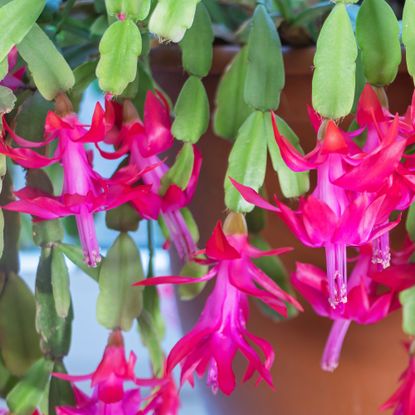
x: 116, y: 339
x: 129, y: 112
x: 63, y: 105
x: 235, y: 224
x: 383, y: 98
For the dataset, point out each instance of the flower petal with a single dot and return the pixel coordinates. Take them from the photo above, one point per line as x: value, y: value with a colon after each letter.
x: 251, y: 196
x: 218, y: 246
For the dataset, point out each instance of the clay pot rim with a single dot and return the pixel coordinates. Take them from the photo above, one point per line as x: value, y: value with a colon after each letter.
x: 297, y: 61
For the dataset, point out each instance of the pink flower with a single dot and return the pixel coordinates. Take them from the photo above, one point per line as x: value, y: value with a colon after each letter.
x: 145, y: 140
x: 221, y: 330
x: 91, y: 405
x: 372, y: 295
x: 164, y: 401
x: 383, y: 131
x: 403, y: 400
x: 13, y: 79
x: 333, y: 217
x: 108, y: 382
x: 84, y: 191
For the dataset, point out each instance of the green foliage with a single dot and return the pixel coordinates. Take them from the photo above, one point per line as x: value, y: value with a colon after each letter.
x: 410, y: 222
x: 55, y: 331
x: 16, y: 19
x: 123, y: 218
x: 171, y: 18
x: 377, y: 32
x: 30, y: 120
x: 231, y: 108
x: 26, y: 396
x: 118, y: 302
x: 265, y: 75
x: 181, y: 171
x: 51, y: 73
x: 60, y: 284
x: 152, y: 330
x: 19, y: 342
x: 9, y: 261
x: 192, y: 269
x: 407, y: 299
x: 192, y: 111
x: 247, y: 160
x: 60, y: 391
x: 48, y: 231
x: 408, y: 35
x: 196, y: 44
x: 84, y: 76
x: 132, y: 9
x: 190, y: 223
x: 75, y: 255
x: 256, y: 220
x: 4, y: 68
x: 335, y: 66
x: 120, y: 48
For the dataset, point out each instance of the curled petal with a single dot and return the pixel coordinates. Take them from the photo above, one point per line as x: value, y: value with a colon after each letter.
x: 253, y: 252
x: 218, y: 246
x: 26, y: 158
x: 175, y: 279
x: 251, y: 196
x: 371, y: 173
x: 369, y: 109
x: 45, y: 208
x: 97, y: 131
x: 157, y: 124
x: 292, y: 157
x: 22, y: 142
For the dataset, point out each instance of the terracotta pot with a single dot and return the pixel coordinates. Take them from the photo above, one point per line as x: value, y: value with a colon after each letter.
x: 372, y: 356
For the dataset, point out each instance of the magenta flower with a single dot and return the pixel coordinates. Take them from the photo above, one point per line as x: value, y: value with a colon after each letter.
x: 84, y: 191
x: 108, y: 382
x: 398, y: 185
x: 164, y: 401
x: 332, y: 217
x: 403, y: 400
x: 145, y: 140
x: 13, y: 79
x: 221, y: 330
x: 372, y: 295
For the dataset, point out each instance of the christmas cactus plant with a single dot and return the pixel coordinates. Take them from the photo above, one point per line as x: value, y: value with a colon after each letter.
x: 348, y: 195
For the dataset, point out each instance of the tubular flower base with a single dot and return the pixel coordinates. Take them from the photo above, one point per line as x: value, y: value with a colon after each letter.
x: 403, y: 400
x: 84, y: 191
x: 332, y: 217
x: 108, y: 380
x: 145, y: 140
x: 372, y: 295
x: 221, y: 330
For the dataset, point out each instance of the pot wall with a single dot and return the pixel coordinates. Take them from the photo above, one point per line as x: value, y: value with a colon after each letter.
x: 372, y: 357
